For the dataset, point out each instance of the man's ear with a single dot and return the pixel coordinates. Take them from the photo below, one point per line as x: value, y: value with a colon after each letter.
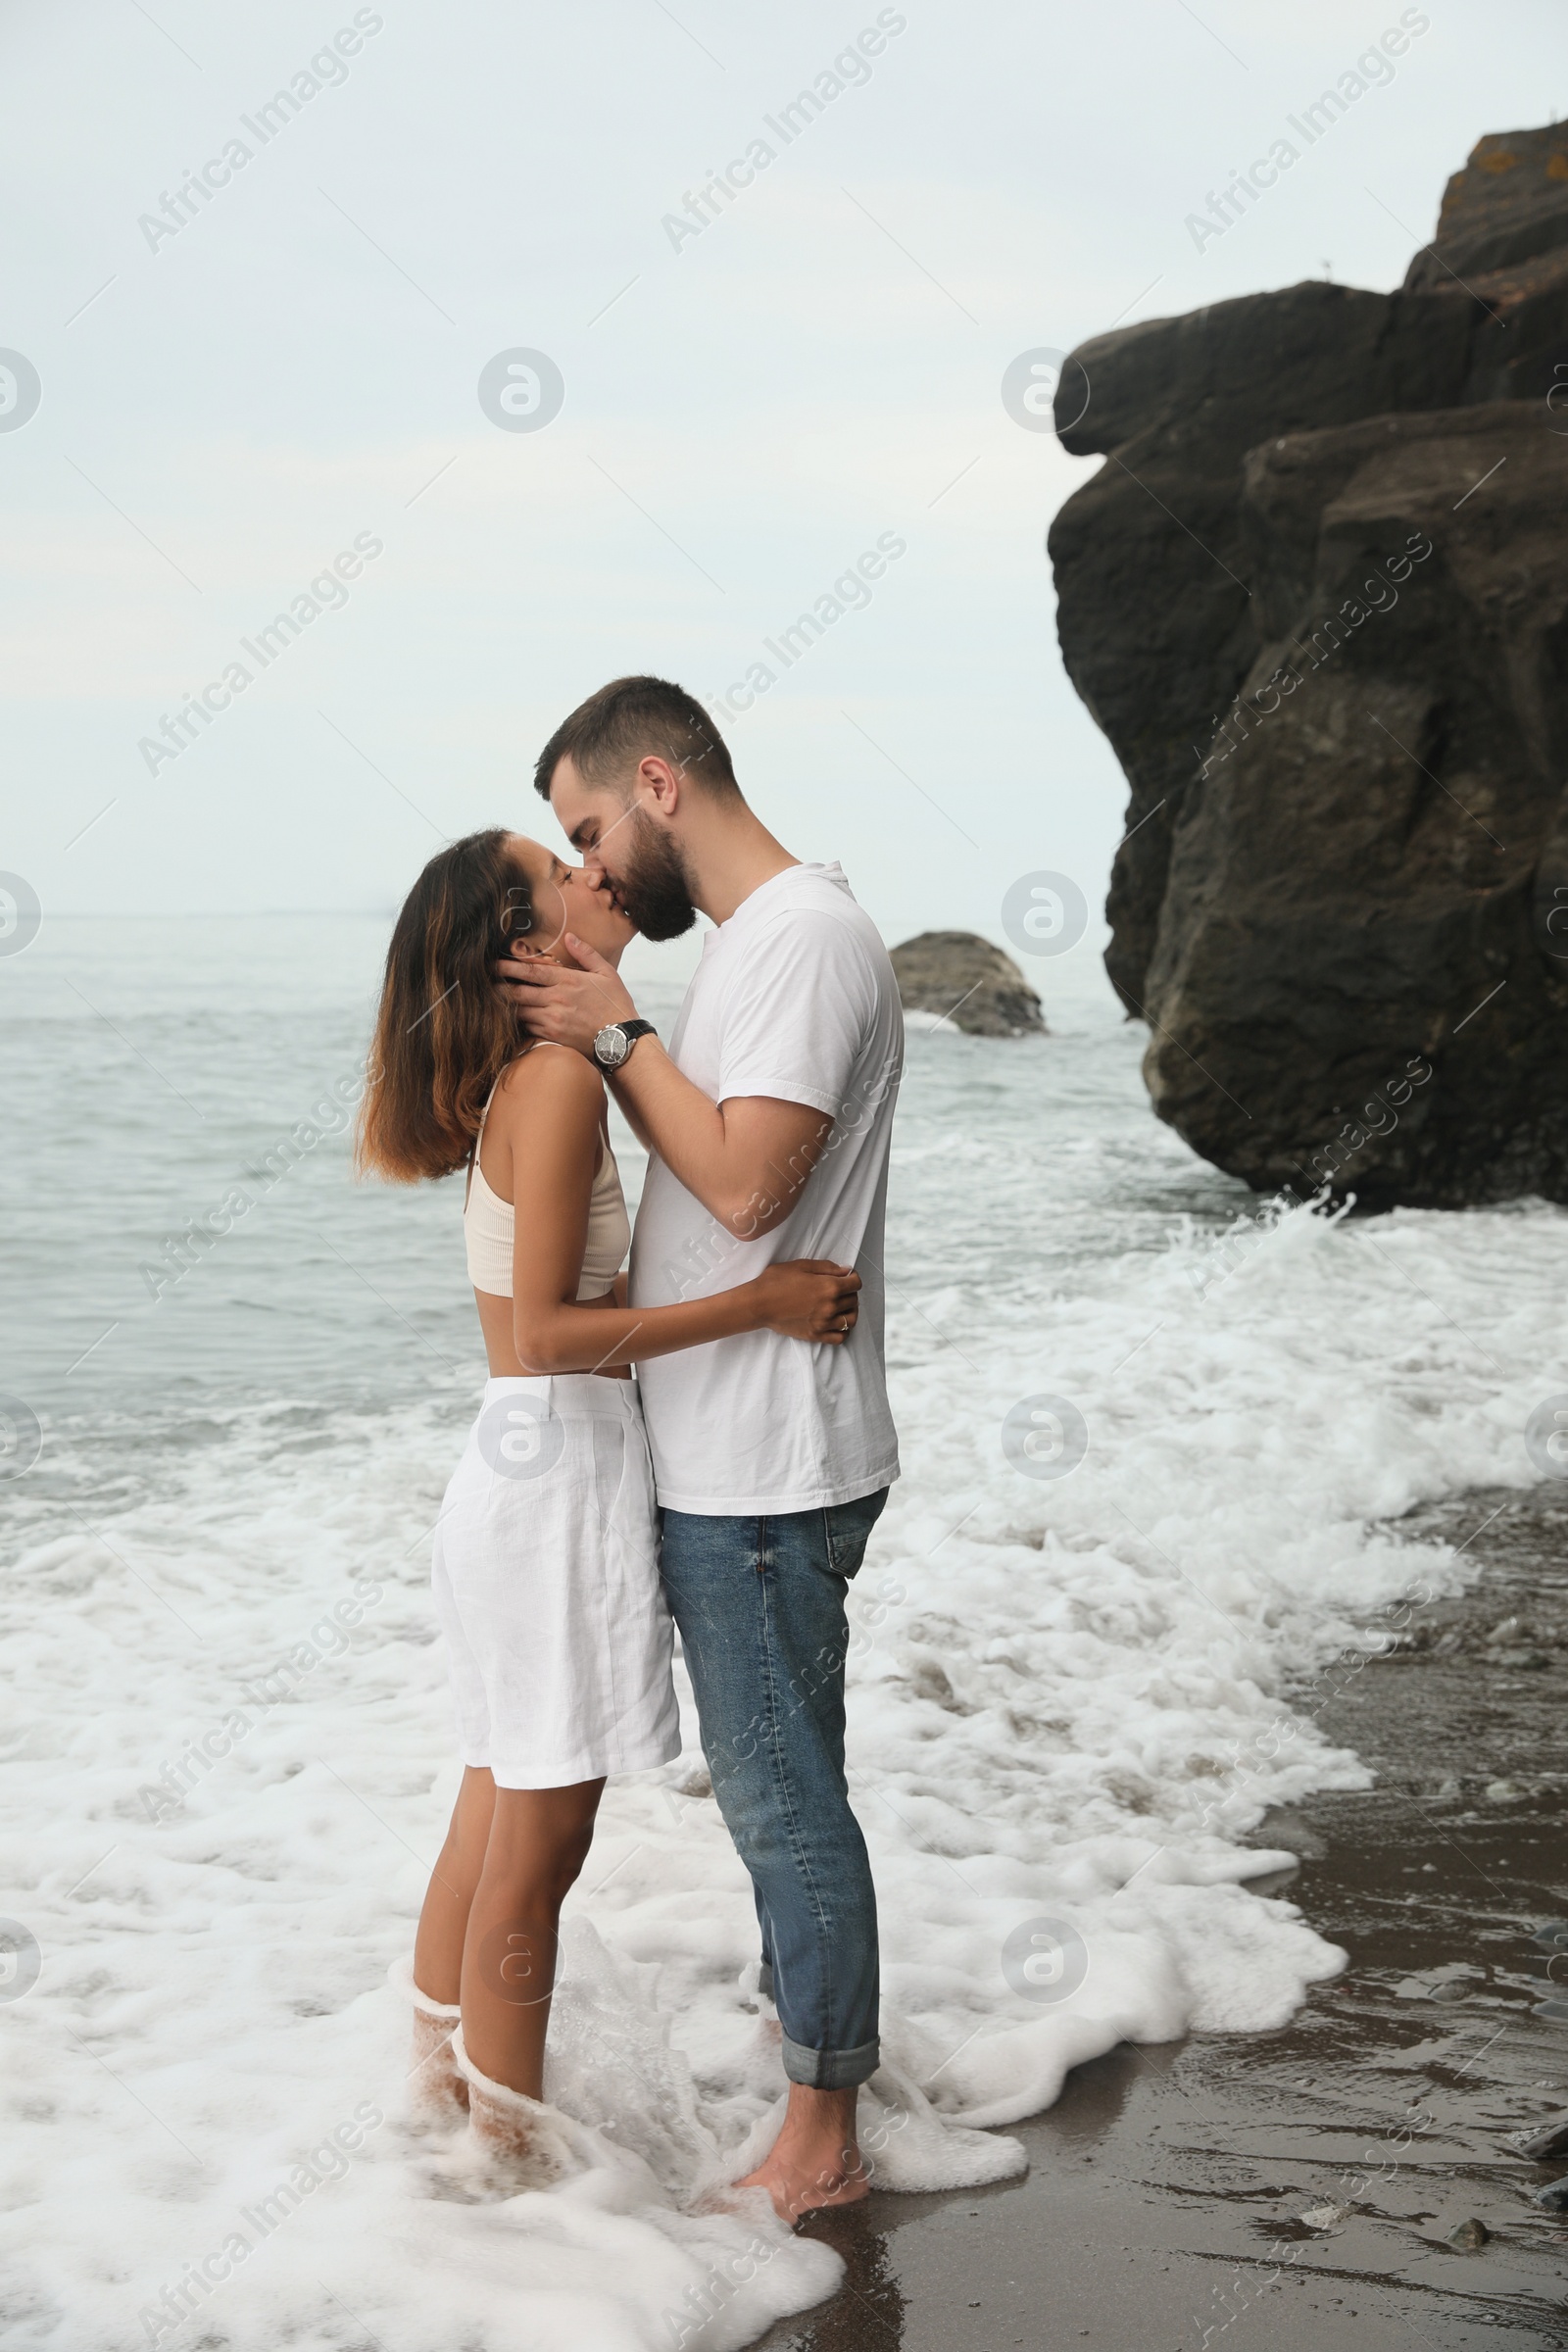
x: 660, y: 782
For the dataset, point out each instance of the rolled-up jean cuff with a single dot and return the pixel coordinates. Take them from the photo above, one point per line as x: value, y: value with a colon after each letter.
x: 831, y: 2069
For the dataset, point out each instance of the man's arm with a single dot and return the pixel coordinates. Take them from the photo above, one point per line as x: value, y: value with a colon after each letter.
x: 548, y: 1120
x: 745, y: 1159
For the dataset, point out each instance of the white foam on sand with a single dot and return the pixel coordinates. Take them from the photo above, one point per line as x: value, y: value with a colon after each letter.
x: 1066, y: 1703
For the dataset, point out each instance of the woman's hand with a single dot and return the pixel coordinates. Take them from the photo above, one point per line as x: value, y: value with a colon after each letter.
x: 807, y: 1299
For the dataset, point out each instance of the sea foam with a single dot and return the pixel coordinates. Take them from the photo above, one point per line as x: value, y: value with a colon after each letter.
x: 1069, y: 1701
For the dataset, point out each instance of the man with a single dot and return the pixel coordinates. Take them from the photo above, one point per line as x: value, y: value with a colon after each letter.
x: 767, y: 1123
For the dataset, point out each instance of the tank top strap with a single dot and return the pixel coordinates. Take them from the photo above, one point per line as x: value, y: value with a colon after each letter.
x: 607, y: 1156
x: 473, y: 1149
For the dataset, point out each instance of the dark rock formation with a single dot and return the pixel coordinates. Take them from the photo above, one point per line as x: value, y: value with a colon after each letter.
x: 963, y: 977
x: 1349, y: 888
x: 1508, y: 204
x: 1318, y: 601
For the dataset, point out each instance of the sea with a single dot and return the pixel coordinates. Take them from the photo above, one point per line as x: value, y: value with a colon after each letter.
x: 1157, y: 1438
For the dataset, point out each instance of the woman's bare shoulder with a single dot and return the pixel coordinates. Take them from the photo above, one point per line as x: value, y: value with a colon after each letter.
x: 548, y: 1076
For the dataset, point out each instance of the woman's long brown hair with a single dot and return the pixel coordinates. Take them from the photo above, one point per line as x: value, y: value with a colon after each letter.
x: 444, y: 1033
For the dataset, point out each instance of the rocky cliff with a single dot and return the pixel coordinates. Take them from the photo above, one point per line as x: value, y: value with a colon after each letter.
x: 1317, y: 598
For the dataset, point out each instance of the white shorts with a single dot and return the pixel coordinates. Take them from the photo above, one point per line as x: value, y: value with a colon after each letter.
x: 545, y: 1578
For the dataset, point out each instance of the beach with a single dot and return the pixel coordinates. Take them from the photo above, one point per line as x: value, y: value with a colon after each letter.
x: 1274, y: 2188
x: 1129, y: 1829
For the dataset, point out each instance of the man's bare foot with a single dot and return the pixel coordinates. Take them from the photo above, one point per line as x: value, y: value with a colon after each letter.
x: 814, y: 2160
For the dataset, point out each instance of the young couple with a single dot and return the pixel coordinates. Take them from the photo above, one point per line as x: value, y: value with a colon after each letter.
x: 730, y: 1486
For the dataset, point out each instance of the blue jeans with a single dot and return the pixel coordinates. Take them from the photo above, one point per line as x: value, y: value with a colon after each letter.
x: 760, y: 1608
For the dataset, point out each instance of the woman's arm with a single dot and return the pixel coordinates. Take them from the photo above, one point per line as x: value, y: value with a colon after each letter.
x: 547, y: 1115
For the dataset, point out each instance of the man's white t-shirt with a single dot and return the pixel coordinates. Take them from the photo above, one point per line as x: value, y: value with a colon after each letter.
x: 793, y: 998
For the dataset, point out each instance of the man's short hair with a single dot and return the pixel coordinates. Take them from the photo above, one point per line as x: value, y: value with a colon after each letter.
x: 627, y: 720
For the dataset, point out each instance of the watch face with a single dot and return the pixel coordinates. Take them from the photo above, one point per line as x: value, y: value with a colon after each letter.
x: 612, y: 1047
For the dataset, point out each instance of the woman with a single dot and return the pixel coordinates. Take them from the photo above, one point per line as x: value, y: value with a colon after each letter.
x: 545, y: 1552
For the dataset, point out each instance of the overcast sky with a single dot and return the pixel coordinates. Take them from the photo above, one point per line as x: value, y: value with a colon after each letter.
x: 230, y: 402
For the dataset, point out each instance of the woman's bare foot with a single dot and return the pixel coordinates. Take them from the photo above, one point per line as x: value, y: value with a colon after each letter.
x: 435, y: 2086
x: 523, y: 2138
x: 814, y: 2160
x: 437, y: 2092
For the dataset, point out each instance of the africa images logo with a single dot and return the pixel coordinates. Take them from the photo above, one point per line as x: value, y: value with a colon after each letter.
x: 1373, y: 69
x: 328, y: 70
x: 19, y: 390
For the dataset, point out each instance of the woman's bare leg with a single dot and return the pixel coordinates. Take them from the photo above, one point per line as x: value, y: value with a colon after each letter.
x: 444, y: 1921
x: 538, y: 1842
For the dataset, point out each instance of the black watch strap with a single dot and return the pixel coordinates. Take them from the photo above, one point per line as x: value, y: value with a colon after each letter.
x: 629, y: 1032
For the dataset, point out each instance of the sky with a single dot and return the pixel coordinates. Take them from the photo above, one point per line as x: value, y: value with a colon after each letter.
x: 243, y: 392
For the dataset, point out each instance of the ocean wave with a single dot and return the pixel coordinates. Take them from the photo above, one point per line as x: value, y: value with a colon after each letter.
x: 1072, y: 1698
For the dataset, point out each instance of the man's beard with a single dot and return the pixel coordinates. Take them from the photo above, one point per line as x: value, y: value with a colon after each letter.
x: 655, y: 891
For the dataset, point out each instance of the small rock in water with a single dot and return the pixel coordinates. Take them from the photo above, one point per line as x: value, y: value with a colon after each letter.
x: 1554, y: 1937
x: 1502, y: 1793
x: 1449, y: 1984
x: 1546, y: 2142
x: 966, y: 980
x: 1554, y: 2196
x: 1324, y: 2217
x: 1505, y: 1630
x: 1470, y: 2236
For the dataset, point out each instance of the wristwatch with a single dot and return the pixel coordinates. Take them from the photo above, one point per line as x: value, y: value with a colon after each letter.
x: 612, y: 1044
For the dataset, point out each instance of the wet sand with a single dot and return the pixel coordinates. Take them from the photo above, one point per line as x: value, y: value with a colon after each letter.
x: 1163, y: 2206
